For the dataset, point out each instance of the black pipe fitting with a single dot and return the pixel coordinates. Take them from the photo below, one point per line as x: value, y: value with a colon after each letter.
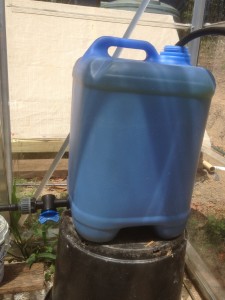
x: 31, y: 205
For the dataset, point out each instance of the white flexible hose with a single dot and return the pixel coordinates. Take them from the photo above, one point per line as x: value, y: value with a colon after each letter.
x: 133, y: 24
x: 219, y: 168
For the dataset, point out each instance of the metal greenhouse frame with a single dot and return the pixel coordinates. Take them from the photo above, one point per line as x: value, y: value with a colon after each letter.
x: 208, y: 285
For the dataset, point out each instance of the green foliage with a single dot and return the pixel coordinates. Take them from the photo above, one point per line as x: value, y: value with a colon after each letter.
x: 39, y: 246
x: 215, y: 229
x: 36, y: 257
x: 214, y: 11
x: 14, y: 223
x: 186, y: 14
x: 49, y: 272
x: 31, y: 243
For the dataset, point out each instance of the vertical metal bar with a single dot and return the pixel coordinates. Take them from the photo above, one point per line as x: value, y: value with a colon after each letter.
x: 6, y: 128
x: 197, y: 22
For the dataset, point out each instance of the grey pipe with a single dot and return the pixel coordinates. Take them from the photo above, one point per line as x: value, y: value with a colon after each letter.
x: 5, y: 99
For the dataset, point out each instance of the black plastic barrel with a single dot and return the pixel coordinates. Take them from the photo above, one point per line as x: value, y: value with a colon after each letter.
x: 135, y: 266
x: 156, y: 7
x: 86, y: 2
x: 178, y: 4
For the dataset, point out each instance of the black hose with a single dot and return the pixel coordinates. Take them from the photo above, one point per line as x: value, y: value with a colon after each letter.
x: 9, y: 207
x: 36, y: 204
x: 199, y: 33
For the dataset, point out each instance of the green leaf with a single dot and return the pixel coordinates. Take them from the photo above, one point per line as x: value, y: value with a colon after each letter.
x: 46, y: 255
x: 49, y: 249
x: 31, y: 259
x: 50, y: 272
x: 52, y: 268
x: 48, y: 276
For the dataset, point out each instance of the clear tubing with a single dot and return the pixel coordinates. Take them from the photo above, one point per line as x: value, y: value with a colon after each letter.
x: 219, y: 168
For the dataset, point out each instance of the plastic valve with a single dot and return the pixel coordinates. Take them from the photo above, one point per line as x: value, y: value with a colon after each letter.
x: 49, y: 215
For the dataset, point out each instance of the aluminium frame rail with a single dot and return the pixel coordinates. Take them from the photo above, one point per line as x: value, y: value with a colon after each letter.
x: 6, y: 164
x: 197, y: 22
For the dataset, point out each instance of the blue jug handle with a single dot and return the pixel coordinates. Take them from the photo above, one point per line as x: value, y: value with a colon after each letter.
x: 101, y: 45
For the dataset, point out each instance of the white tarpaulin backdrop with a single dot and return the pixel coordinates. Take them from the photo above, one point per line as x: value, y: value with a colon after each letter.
x: 44, y: 41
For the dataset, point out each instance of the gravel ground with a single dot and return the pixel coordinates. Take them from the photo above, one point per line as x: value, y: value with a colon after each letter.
x: 37, y: 295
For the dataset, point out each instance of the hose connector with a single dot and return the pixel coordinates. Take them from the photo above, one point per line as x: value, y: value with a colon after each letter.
x: 27, y: 205
x: 49, y: 212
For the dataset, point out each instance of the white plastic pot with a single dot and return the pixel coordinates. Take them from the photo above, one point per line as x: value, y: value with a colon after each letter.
x: 4, y: 243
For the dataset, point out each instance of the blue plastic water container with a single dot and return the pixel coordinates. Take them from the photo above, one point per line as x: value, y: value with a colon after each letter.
x: 135, y: 138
